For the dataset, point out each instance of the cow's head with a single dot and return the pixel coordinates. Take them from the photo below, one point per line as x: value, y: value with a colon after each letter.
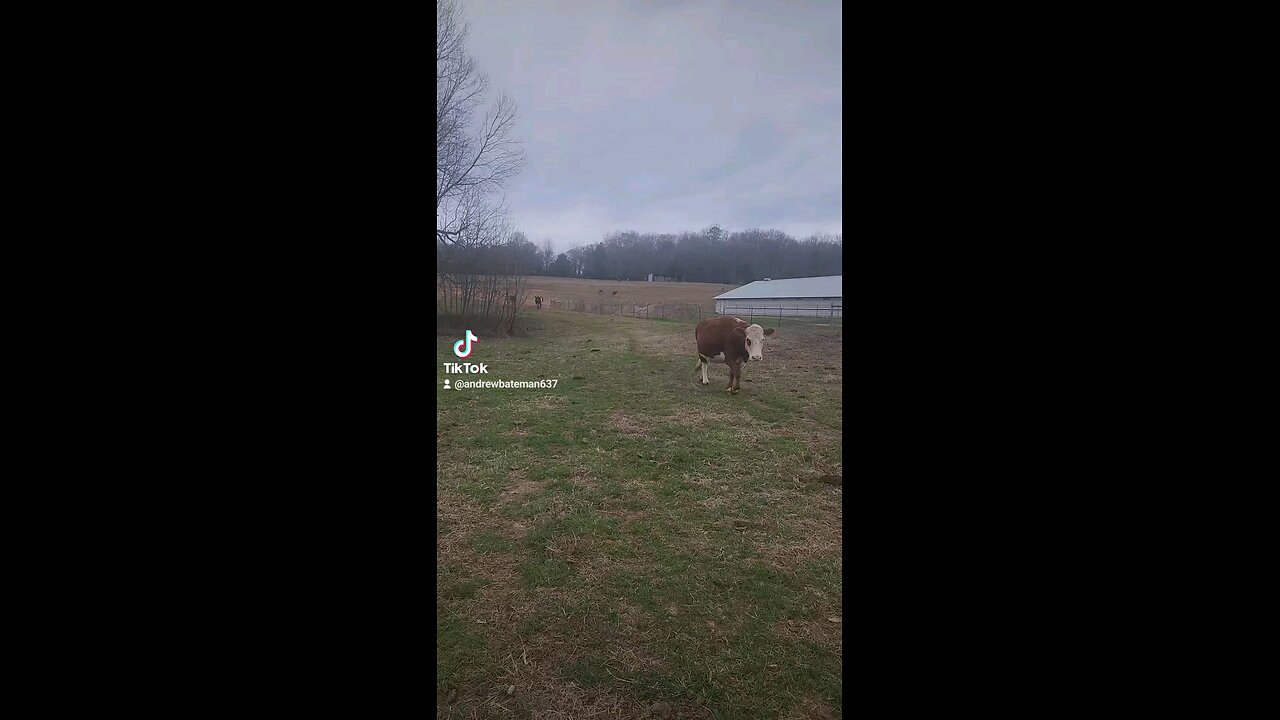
x: 753, y: 336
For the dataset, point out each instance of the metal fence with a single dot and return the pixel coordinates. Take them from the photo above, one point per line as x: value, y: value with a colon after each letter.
x: 661, y: 311
x: 819, y: 311
x: 831, y: 316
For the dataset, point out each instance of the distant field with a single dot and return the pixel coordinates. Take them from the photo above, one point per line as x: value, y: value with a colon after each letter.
x: 633, y: 544
x: 627, y: 292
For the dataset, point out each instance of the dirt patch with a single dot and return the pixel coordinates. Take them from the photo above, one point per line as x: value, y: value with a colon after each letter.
x: 518, y: 484
x: 460, y: 513
x: 466, y: 520
x: 820, y: 632
x: 633, y: 615
x: 617, y: 508
x: 634, y: 659
x: 696, y: 416
x: 804, y: 350
x: 715, y: 502
x: 816, y: 540
x: 547, y: 401
x: 584, y: 479
x: 810, y: 708
x: 572, y: 549
x: 678, y: 343
x: 629, y: 426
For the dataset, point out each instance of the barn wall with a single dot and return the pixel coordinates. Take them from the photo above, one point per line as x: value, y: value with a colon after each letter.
x: 808, y: 307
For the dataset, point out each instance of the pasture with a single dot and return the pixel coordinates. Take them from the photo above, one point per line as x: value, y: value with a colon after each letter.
x: 568, y: 289
x: 631, y: 543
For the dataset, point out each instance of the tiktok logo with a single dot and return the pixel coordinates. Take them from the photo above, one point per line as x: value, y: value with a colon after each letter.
x: 457, y: 347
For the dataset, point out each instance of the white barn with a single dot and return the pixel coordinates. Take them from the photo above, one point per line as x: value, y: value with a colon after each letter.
x: 803, y: 297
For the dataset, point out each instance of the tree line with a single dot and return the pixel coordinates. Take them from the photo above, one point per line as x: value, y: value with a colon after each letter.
x: 709, y: 255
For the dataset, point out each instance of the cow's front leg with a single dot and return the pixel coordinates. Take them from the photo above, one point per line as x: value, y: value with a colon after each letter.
x: 734, y: 368
x: 737, y: 380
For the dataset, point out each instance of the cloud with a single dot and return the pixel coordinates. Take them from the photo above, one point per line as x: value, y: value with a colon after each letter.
x: 669, y: 116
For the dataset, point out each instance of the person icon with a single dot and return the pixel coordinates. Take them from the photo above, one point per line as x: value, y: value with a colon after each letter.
x: 446, y: 383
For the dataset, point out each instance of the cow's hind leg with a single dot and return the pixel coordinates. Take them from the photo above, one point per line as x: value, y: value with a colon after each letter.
x: 702, y: 368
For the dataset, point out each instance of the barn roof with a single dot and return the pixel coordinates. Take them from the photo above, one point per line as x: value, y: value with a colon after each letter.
x: 809, y: 287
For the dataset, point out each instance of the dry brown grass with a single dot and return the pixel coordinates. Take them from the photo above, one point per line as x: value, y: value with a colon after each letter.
x: 629, y: 425
x: 672, y: 342
x: 695, y: 415
x: 528, y: 684
x: 627, y: 292
x: 518, y: 484
x: 820, y: 632
x: 810, y: 708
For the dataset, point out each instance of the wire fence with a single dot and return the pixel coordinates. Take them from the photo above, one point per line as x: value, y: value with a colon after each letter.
x: 658, y: 311
x: 819, y: 316
x: 828, y: 316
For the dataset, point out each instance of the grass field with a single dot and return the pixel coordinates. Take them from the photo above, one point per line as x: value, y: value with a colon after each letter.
x: 633, y: 544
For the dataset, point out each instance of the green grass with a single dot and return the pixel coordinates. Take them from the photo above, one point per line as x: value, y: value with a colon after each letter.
x: 634, y: 534
x: 491, y: 542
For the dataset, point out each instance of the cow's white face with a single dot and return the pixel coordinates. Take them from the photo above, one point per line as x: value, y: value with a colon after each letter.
x: 755, y: 341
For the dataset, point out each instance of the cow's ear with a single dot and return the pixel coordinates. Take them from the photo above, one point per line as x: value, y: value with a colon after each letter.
x: 739, y: 332
x: 768, y: 331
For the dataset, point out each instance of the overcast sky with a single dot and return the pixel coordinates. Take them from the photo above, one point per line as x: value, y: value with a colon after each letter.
x: 668, y: 115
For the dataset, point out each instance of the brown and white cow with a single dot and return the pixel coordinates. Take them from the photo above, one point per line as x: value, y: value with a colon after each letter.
x: 731, y: 341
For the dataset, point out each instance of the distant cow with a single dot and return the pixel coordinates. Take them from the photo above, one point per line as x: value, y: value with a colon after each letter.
x: 537, y: 300
x: 731, y: 341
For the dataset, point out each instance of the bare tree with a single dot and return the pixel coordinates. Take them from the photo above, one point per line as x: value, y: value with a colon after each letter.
x: 548, y: 255
x: 481, y: 261
x: 471, y: 162
x: 485, y: 283
x: 577, y: 257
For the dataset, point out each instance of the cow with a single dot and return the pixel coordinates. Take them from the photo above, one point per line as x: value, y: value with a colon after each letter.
x: 537, y: 300
x: 731, y: 341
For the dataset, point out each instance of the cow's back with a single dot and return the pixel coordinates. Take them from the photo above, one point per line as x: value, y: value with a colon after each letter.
x: 712, y: 334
